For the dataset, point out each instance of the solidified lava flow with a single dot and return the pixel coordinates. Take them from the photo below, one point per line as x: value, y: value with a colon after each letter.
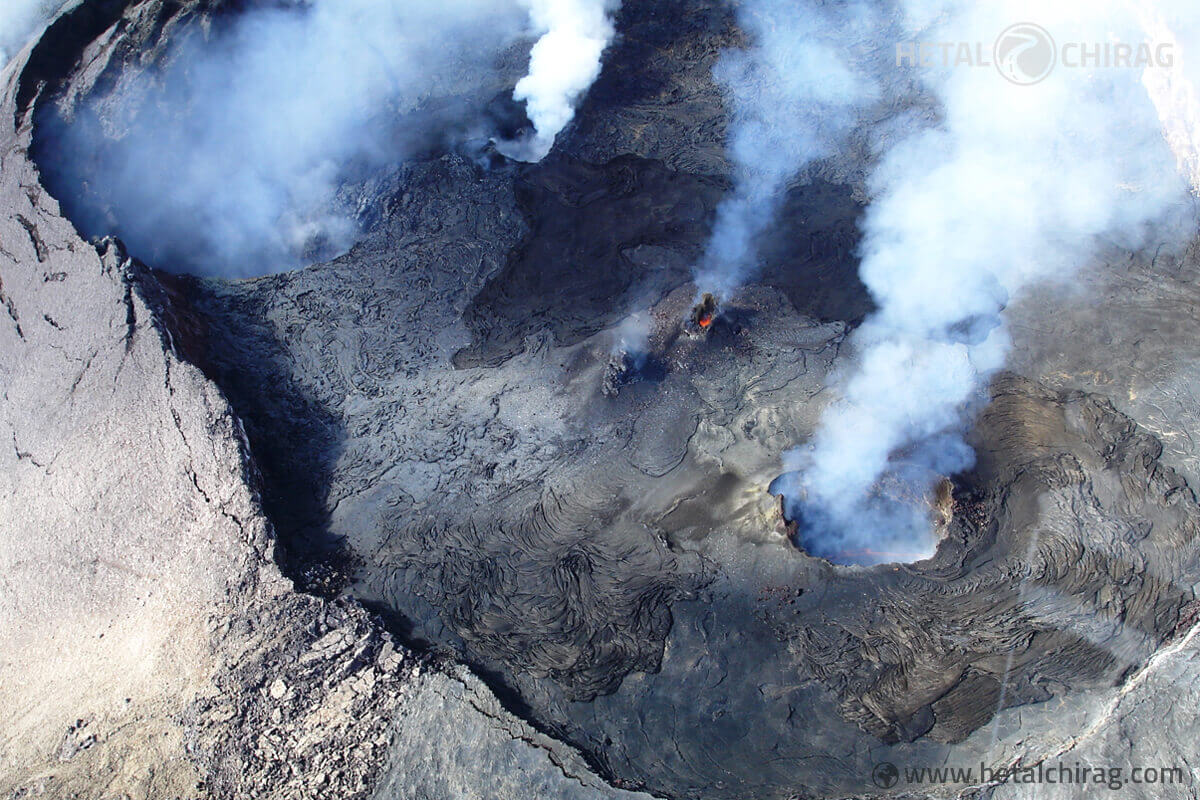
x: 499, y: 407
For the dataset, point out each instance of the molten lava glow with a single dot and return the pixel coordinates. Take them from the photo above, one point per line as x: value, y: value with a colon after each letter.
x: 705, y: 321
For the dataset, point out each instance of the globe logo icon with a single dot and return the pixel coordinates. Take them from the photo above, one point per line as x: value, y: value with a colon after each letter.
x: 885, y: 775
x: 1025, y: 53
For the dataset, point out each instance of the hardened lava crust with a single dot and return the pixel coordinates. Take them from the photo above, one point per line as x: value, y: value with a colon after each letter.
x: 586, y: 575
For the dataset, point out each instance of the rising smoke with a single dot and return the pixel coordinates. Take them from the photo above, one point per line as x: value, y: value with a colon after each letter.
x: 573, y: 35
x: 792, y: 95
x: 228, y: 160
x: 1016, y: 185
x: 234, y: 158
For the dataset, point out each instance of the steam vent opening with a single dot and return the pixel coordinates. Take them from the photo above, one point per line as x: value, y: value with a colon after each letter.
x: 545, y: 395
x: 703, y: 315
x: 817, y: 532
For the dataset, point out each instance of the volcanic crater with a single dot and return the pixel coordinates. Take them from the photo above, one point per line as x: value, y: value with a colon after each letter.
x: 429, y: 417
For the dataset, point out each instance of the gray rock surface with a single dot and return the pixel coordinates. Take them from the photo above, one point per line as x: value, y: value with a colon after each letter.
x: 1148, y: 726
x: 150, y: 646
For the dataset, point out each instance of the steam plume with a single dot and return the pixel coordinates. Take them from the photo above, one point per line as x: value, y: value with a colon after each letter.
x: 565, y: 61
x: 792, y: 97
x: 632, y: 336
x: 1016, y: 185
x: 231, y: 159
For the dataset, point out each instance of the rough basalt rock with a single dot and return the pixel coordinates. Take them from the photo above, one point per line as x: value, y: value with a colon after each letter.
x: 151, y: 647
x: 419, y: 428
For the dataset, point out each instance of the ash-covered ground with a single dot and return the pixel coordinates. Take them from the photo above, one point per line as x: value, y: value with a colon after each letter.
x: 444, y: 432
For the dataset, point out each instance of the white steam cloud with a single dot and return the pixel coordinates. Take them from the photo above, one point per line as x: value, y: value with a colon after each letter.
x: 228, y: 161
x: 1014, y: 186
x: 18, y: 20
x: 792, y: 96
x: 234, y: 159
x: 565, y: 62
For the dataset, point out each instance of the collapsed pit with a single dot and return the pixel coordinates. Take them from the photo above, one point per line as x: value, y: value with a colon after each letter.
x: 604, y: 560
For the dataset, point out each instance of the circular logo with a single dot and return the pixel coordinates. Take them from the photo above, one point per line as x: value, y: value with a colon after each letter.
x: 885, y: 775
x: 1025, y: 53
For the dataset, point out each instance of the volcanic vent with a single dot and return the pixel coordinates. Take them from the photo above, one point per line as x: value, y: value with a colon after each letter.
x: 531, y: 441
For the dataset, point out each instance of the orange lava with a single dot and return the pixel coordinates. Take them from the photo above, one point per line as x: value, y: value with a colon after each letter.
x: 705, y: 322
